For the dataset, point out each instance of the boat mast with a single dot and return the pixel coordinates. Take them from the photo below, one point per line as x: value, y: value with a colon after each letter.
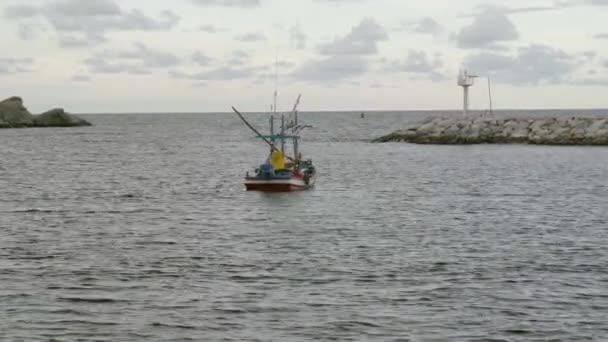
x: 276, y: 94
x: 295, y: 139
x: 271, y: 132
x: 276, y: 79
x: 283, y: 134
x: 295, y: 119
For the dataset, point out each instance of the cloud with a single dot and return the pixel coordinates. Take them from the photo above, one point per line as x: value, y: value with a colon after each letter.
x: 297, y: 37
x: 589, y: 54
x: 286, y: 64
x: 384, y: 86
x: 268, y: 74
x: 81, y: 20
x: 587, y: 58
x: 200, y: 58
x: 557, y: 5
x: 340, y: 1
x: 127, y: 21
x: 10, y: 66
x: 149, y: 58
x: 76, y: 41
x: 210, y: 29
x: 334, y: 68
x: 28, y: 31
x: 71, y: 8
x: 574, y: 3
x: 241, y: 54
x: 100, y: 65
x: 361, y: 40
x: 137, y: 61
x: 426, y: 25
x: 519, y: 10
x: 251, y: 37
x: 591, y: 82
x: 229, y: 3
x: 224, y: 73
x: 597, y: 2
x: 417, y: 62
x: 236, y: 66
x: 239, y: 58
x: 531, y: 65
x: 80, y: 78
x: 21, y: 11
x: 489, y: 27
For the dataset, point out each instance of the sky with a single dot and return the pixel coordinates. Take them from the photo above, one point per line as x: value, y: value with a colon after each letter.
x: 110, y: 56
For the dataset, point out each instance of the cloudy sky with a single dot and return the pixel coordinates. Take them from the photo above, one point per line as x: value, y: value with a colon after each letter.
x: 206, y: 55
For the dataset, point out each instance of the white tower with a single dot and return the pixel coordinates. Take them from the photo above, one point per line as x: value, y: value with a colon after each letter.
x: 465, y: 81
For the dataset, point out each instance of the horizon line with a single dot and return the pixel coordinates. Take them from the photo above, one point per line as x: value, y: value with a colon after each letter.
x: 346, y: 111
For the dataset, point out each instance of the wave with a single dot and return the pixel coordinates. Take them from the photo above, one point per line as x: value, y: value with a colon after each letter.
x: 92, y: 300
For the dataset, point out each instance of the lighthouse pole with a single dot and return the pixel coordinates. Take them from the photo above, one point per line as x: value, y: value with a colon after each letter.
x: 465, y: 107
x: 465, y: 81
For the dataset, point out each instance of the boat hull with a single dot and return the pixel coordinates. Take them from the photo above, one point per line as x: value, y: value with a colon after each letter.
x: 278, y: 185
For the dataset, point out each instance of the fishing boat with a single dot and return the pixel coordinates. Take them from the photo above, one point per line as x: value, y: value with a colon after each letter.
x: 280, y: 172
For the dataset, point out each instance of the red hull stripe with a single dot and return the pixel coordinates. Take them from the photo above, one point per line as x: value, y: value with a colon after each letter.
x: 274, y: 187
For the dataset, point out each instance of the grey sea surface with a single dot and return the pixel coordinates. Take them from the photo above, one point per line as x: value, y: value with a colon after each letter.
x: 139, y: 229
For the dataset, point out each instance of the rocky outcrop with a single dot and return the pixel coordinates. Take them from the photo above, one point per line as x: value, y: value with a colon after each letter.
x: 13, y: 114
x: 58, y: 118
x: 551, y: 131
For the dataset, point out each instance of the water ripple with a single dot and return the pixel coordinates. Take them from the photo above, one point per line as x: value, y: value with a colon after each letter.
x: 138, y: 229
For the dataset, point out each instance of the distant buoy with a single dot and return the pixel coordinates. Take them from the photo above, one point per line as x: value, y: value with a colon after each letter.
x: 362, y: 115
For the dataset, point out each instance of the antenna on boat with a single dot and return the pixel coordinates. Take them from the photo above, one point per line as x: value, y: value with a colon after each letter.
x: 293, y: 116
x: 276, y: 79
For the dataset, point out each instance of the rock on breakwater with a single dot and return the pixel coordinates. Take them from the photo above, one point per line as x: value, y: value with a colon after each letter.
x: 549, y: 131
x: 13, y: 114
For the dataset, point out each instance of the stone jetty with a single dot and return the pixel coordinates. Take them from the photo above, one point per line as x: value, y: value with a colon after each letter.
x: 13, y: 114
x: 483, y: 130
